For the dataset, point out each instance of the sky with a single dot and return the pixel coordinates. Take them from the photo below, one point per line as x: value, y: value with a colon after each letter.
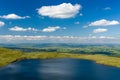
x: 59, y: 21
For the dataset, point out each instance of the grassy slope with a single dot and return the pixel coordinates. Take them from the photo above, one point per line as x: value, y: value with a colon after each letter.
x: 7, y: 56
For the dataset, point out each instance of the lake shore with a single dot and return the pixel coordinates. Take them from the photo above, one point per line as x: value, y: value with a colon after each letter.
x: 8, y: 56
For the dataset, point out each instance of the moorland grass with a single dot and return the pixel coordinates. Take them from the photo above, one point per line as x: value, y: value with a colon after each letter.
x: 8, y: 56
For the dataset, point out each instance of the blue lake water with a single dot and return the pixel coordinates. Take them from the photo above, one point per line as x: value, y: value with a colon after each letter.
x: 58, y: 69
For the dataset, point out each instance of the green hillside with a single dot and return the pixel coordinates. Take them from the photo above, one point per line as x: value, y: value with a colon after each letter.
x: 8, y: 56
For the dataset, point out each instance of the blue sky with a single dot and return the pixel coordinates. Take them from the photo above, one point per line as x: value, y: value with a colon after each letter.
x: 63, y: 21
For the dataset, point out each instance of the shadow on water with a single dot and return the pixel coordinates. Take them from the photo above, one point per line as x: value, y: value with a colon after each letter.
x: 58, y: 69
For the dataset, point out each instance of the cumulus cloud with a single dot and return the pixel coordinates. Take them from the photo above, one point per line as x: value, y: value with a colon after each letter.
x: 48, y: 29
x: 106, y: 37
x: 85, y: 26
x: 107, y: 8
x: 13, y: 16
x: 81, y: 14
x: 2, y: 23
x: 19, y: 37
x: 104, y: 22
x: 58, y: 39
x: 64, y: 10
x: 99, y: 30
x: 17, y: 28
x: 77, y: 22
x: 52, y: 29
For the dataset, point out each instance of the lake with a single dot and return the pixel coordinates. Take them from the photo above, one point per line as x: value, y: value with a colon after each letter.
x: 58, y: 69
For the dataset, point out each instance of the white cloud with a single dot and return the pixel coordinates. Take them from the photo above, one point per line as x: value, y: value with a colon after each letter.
x: 81, y: 14
x: 77, y: 22
x: 2, y: 23
x: 99, y: 30
x: 104, y: 22
x: 17, y: 28
x: 51, y: 29
x: 48, y: 29
x: 106, y: 37
x: 13, y: 16
x: 64, y: 10
x: 85, y: 26
x: 107, y: 8
x: 64, y: 28
x: 57, y: 39
x: 19, y: 37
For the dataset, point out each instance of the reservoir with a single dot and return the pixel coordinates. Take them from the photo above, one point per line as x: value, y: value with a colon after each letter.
x: 58, y: 69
